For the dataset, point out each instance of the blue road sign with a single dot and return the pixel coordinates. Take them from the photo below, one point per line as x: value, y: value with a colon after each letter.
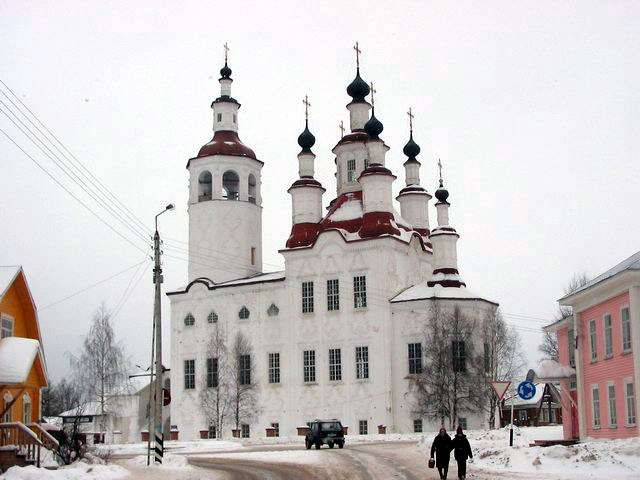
x: 526, y: 390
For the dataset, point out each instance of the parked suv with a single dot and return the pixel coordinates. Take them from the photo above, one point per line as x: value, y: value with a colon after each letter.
x: 324, y: 431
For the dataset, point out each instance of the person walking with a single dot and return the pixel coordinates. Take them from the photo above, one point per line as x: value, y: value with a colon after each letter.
x: 442, y: 447
x: 462, y: 450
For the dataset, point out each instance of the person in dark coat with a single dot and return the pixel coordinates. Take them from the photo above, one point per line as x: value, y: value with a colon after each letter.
x: 461, y: 451
x: 442, y: 447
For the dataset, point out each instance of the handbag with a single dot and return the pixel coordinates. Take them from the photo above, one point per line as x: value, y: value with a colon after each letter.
x: 432, y: 463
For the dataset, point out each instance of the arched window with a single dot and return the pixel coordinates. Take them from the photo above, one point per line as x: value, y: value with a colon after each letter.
x: 189, y: 320
x: 7, y: 399
x: 273, y: 310
x: 26, y: 409
x: 212, y: 317
x: 230, y: 185
x: 204, y: 186
x: 252, y: 189
x: 243, y: 313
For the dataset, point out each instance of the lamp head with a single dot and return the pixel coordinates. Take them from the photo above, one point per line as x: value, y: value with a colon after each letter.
x: 171, y: 206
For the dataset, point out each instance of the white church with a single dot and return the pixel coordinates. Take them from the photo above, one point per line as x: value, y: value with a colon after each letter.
x: 340, y: 332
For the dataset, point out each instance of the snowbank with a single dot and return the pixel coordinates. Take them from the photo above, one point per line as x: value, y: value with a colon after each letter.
x: 552, y: 370
x: 195, y: 446
x: 169, y: 461
x: 76, y: 471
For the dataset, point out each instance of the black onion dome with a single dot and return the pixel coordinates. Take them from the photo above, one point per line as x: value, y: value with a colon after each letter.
x: 373, y: 127
x: 306, y: 140
x: 442, y: 193
x: 411, y: 149
x: 358, y: 89
x: 225, y: 72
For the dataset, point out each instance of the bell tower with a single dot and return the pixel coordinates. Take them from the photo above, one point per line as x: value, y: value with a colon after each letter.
x: 225, y: 205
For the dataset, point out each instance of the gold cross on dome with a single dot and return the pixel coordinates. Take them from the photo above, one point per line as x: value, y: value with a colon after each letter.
x: 356, y: 47
x: 306, y: 107
x: 341, y: 127
x: 373, y: 92
x: 410, y: 113
x: 226, y: 52
x: 440, y: 168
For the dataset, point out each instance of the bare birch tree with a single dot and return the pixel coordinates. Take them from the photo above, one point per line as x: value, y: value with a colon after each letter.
x: 243, y: 386
x: 101, y: 368
x: 215, y: 392
x: 504, y: 358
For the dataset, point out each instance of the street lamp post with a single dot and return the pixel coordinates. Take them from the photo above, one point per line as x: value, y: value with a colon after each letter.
x: 157, y: 321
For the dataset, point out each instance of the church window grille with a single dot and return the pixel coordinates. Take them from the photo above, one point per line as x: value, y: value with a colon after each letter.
x: 189, y: 374
x: 276, y: 429
x: 360, y: 291
x: 252, y: 189
x: 626, y: 329
x: 417, y: 426
x: 333, y: 295
x: 230, y: 185
x: 309, y: 366
x: 274, y: 367
x: 205, y: 186
x: 212, y: 317
x: 335, y: 364
x: 307, y: 297
x: 363, y: 427
x: 415, y: 358
x: 362, y: 363
x: 245, y: 430
x: 212, y: 372
x: 219, y: 117
x: 189, y: 320
x: 351, y: 170
x: 212, y: 431
x: 244, y: 365
x: 459, y: 356
x: 244, y: 313
x: 273, y: 310
x: 7, y: 326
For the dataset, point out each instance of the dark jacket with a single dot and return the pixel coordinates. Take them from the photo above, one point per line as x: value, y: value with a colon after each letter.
x: 461, y: 448
x: 442, y: 447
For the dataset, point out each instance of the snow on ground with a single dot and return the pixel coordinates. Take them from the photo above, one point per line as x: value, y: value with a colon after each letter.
x: 174, y: 467
x: 76, y: 471
x: 196, y: 446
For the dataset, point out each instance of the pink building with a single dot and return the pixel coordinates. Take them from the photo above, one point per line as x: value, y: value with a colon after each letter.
x: 602, y: 342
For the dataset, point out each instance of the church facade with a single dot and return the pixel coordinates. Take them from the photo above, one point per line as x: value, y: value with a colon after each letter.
x: 340, y: 333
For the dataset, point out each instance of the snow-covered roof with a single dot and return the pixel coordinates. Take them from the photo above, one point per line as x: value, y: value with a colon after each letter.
x: 8, y: 273
x: 535, y: 400
x: 17, y: 355
x: 253, y: 279
x: 631, y: 263
x: 550, y: 371
x: 422, y: 291
x: 88, y: 408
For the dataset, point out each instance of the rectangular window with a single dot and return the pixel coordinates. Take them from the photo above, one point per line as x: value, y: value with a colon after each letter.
x: 235, y: 118
x: 276, y: 429
x: 459, y: 356
x: 595, y: 403
x: 608, y: 336
x: 545, y: 414
x: 309, y: 366
x: 462, y: 421
x: 363, y: 427
x: 307, y: 297
x: 487, y: 357
x: 592, y: 340
x: 351, y: 170
x: 417, y: 426
x: 333, y: 295
x: 362, y: 363
x: 253, y: 255
x: 630, y: 403
x: 245, y: 431
x: 359, y: 291
x: 415, y: 358
x: 611, y: 400
x: 219, y: 117
x: 189, y: 374
x: 244, y: 365
x: 366, y: 163
x: 523, y: 416
x: 26, y: 412
x: 335, y: 364
x: 571, y: 339
x: 626, y: 329
x: 212, y: 372
x: 6, y: 329
x: 274, y: 368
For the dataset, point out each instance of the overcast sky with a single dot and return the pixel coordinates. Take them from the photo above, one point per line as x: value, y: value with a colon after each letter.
x: 532, y: 107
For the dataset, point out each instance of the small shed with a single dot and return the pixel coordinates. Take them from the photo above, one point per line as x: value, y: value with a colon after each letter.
x: 545, y: 408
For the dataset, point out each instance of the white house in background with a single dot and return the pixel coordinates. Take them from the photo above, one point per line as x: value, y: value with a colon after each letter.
x: 340, y: 331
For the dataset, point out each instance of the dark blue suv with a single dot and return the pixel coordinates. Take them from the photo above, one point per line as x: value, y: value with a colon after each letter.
x: 324, y: 431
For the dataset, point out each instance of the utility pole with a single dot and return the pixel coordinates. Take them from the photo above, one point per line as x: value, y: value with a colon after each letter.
x: 157, y: 321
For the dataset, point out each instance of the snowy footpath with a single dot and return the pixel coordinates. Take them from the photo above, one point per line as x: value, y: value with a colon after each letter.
x: 366, y: 457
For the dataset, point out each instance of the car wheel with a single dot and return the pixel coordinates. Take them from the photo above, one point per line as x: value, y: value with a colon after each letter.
x: 307, y: 444
x: 318, y: 445
x: 341, y: 444
x: 330, y: 444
